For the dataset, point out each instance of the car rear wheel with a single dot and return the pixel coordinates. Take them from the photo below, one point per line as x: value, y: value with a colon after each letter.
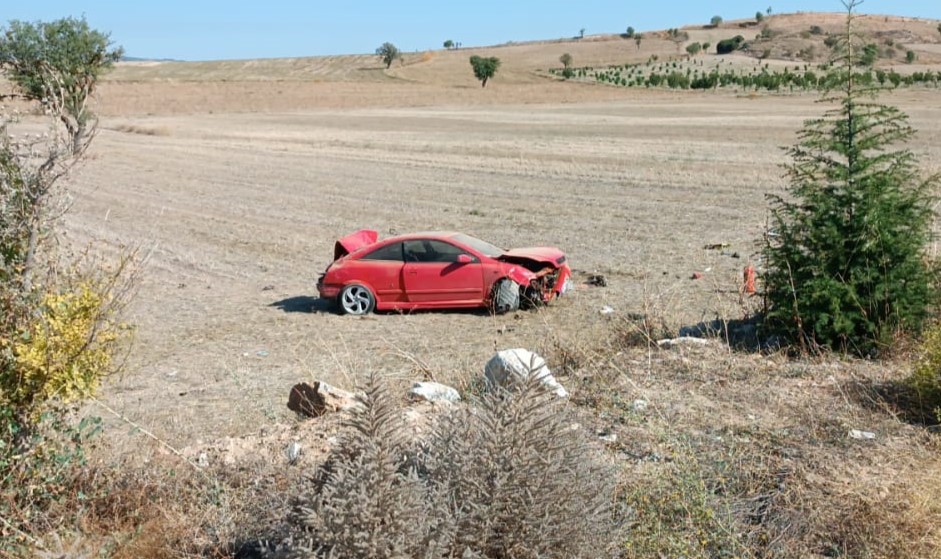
x: 506, y: 296
x: 356, y: 300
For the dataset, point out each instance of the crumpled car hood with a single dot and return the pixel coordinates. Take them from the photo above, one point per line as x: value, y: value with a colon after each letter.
x: 354, y: 242
x: 548, y: 255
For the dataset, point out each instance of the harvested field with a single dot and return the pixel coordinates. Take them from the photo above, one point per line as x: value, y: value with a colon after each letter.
x: 241, y: 211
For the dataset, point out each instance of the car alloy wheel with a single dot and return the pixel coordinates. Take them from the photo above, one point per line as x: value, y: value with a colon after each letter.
x: 356, y: 300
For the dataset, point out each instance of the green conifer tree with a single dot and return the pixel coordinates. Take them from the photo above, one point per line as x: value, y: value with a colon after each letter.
x: 847, y: 265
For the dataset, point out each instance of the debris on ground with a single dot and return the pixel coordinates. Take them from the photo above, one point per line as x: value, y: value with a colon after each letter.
x: 293, y: 452
x: 862, y: 435
x: 433, y: 392
x: 639, y: 406
x: 597, y: 280
x: 696, y: 276
x: 716, y: 246
x: 314, y: 400
x: 682, y: 341
x: 606, y: 309
x: 510, y: 366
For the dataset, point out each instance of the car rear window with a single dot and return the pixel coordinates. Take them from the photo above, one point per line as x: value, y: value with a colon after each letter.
x: 391, y: 252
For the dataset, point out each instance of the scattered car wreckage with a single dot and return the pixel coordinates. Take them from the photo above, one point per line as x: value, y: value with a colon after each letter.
x: 436, y: 270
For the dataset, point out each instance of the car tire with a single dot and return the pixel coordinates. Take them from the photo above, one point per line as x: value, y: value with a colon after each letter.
x: 531, y: 299
x: 506, y: 296
x: 356, y: 300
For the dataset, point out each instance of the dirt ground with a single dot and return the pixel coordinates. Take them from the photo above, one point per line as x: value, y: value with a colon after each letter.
x: 239, y: 211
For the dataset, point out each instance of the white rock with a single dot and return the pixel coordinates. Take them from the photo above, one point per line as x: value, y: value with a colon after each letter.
x: 511, y: 366
x: 433, y: 392
x: 639, y: 406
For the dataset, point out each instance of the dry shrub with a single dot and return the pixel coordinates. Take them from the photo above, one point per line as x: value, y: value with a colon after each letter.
x: 162, y: 509
x: 506, y: 478
x: 926, y: 379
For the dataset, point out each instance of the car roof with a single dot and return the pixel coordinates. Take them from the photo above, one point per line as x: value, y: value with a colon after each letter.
x: 421, y: 235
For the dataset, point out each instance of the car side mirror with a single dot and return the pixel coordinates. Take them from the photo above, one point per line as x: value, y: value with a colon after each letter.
x: 465, y: 259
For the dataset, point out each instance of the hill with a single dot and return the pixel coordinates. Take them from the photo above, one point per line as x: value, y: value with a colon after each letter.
x: 785, y: 37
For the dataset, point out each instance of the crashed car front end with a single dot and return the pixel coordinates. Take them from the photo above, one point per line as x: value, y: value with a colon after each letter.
x: 542, y: 272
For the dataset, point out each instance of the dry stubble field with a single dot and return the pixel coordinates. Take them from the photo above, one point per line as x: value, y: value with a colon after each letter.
x: 239, y: 213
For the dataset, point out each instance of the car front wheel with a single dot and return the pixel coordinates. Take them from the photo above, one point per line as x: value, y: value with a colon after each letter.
x: 356, y: 300
x: 506, y: 296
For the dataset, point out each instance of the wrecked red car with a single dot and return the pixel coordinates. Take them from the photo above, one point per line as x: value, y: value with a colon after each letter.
x: 439, y: 270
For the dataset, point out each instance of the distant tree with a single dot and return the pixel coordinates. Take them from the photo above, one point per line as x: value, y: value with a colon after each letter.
x: 581, y: 33
x: 939, y: 28
x: 705, y: 47
x: 566, y: 60
x: 638, y: 37
x: 768, y: 11
x: 693, y: 49
x: 847, y: 252
x: 678, y: 37
x: 716, y: 21
x: 870, y: 54
x: 725, y: 46
x: 388, y: 53
x: 449, y: 44
x: 630, y: 32
x: 759, y: 17
x: 484, y: 68
x: 910, y: 56
x: 58, y: 63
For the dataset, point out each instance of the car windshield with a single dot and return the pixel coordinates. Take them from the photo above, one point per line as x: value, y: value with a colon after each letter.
x: 482, y: 247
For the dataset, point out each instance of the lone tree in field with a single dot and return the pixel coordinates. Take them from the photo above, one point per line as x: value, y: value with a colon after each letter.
x: 566, y: 60
x: 678, y: 37
x: 693, y: 49
x: 389, y: 53
x: 629, y: 33
x: 716, y: 21
x: 449, y: 44
x: 58, y: 64
x: 846, y: 251
x: 638, y: 38
x: 484, y: 68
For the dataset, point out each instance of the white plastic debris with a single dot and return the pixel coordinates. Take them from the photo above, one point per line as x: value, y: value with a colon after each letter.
x: 606, y: 309
x: 862, y: 435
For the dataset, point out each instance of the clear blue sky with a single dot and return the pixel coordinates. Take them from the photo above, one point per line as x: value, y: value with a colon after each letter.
x: 213, y: 29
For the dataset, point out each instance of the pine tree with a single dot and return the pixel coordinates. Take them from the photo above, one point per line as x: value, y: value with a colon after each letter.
x: 847, y: 266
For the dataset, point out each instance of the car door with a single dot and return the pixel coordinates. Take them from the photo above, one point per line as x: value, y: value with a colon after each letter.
x: 439, y: 273
x: 381, y: 269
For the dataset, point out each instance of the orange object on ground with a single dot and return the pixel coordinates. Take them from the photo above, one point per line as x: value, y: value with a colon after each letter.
x: 749, y: 277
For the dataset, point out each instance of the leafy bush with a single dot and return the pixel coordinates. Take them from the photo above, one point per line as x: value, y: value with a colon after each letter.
x: 507, y: 478
x: 726, y: 46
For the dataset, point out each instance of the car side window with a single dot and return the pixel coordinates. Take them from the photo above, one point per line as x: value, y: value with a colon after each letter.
x: 391, y: 252
x: 428, y: 250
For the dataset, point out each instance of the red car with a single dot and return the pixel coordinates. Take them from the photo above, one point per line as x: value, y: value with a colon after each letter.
x: 439, y: 270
